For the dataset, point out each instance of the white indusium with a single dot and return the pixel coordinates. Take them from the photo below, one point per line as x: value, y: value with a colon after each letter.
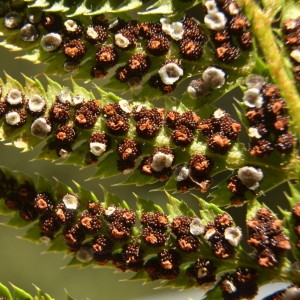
x: 253, y: 98
x: 64, y: 96
x: 175, y: 29
x: 71, y: 25
x: 84, y: 254
x: 70, y: 201
x: 181, y: 173
x: 198, y: 88
x: 253, y: 132
x: 97, y: 148
x: 40, y: 128
x: 197, y: 227
x: 36, y: 103
x: 215, y: 77
x: 233, y: 235
x: 51, y: 41
x: 121, y: 41
x: 12, y: 118
x: 219, y: 113
x: 14, y: 97
x: 109, y: 210
x: 124, y: 105
x: 170, y: 73
x: 211, y: 6
x: 161, y: 160
x: 250, y: 177
x: 215, y: 21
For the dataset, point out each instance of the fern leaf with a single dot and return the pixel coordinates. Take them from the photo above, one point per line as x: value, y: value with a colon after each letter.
x: 20, y: 294
x: 112, y: 210
x: 70, y: 103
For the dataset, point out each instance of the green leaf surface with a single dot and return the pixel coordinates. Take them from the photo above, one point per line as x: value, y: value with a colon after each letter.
x: 33, y: 234
x: 144, y: 205
x: 20, y: 294
x: 178, y: 208
x: 208, y: 211
x: 16, y: 221
x: 289, y: 221
x: 42, y: 295
x: 4, y: 292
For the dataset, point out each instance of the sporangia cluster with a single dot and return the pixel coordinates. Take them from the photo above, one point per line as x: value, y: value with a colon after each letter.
x: 184, y: 143
x: 224, y: 28
x: 148, y: 240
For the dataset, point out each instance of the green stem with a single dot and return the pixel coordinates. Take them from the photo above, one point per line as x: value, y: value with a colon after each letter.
x: 274, y: 57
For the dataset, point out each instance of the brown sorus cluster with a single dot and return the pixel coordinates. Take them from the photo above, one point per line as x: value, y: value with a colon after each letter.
x: 238, y: 189
x: 158, y: 44
x: 86, y: 114
x: 240, y: 284
x: 148, y: 121
x: 194, y: 38
x: 120, y: 222
x: 220, y: 132
x: 183, y: 126
x: 155, y: 226
x: 110, y: 38
x: 64, y: 138
x: 266, y: 236
x: 74, y: 49
x: 296, y: 217
x: 137, y: 66
x: 111, y: 109
x: 64, y: 215
x: 107, y: 56
x: 200, y: 166
x: 74, y: 237
x: 43, y: 203
x: 59, y: 112
x: 96, y: 34
x: 203, y: 270
x: 237, y: 28
x: 146, y: 166
x: 130, y: 258
x: 291, y: 36
x: 65, y: 135
x: 199, y: 174
x: 102, y: 246
x: 72, y: 29
x: 214, y: 234
x: 3, y: 108
x: 272, y: 124
x: 186, y: 241
x: 90, y: 222
x: 21, y: 199
x: 48, y: 226
x: 163, y: 266
x: 117, y: 125
x: 128, y: 150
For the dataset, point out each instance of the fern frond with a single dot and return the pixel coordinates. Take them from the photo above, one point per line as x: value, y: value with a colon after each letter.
x: 14, y: 292
x: 73, y: 133
x: 154, y: 107
x: 156, y: 245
